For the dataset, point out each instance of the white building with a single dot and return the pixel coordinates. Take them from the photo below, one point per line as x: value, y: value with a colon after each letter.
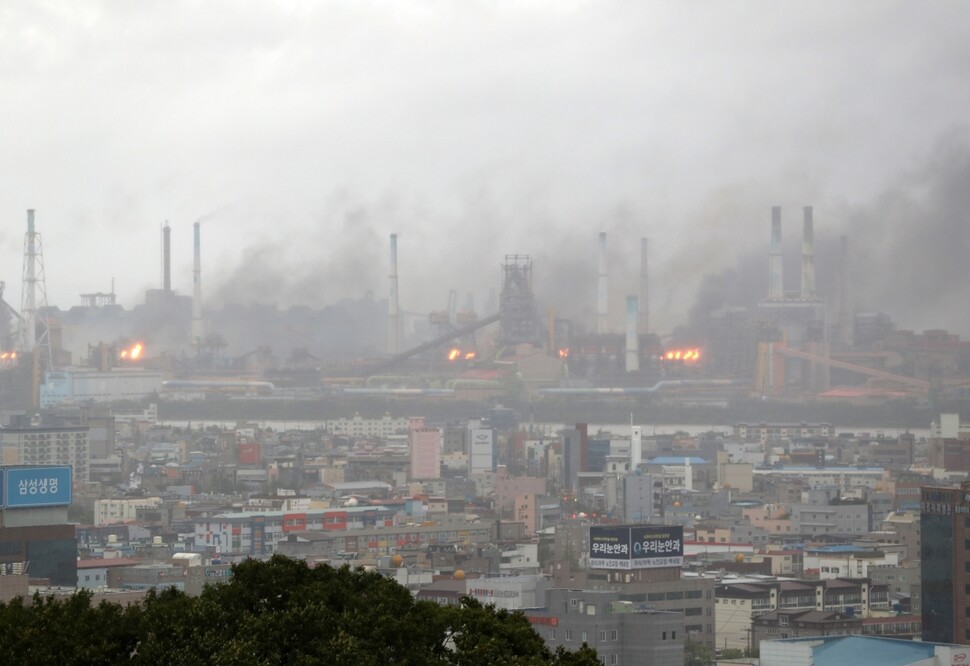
x: 522, y: 558
x: 846, y: 561
x: 511, y: 592
x: 76, y: 385
x: 122, y: 509
x: 358, y: 426
x: 482, y: 450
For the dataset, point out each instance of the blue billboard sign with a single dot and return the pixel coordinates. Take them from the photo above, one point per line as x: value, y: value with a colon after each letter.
x: 25, y: 487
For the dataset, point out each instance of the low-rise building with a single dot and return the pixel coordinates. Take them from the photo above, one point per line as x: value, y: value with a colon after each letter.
x: 860, y: 651
x: 122, y: 509
x: 846, y: 561
x: 737, y: 603
x: 798, y: 623
x: 621, y: 632
x: 842, y: 518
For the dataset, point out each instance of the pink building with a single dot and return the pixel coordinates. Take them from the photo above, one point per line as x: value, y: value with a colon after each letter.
x: 425, y: 446
x: 527, y: 511
x: 772, y: 518
x: 507, y: 489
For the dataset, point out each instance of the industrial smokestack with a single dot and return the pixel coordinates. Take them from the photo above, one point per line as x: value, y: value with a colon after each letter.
x: 197, y: 332
x: 644, y: 302
x: 603, y: 300
x: 776, y: 287
x: 845, y: 328
x: 393, y: 323
x: 808, y: 256
x: 167, y: 258
x: 636, y: 447
x: 632, y: 339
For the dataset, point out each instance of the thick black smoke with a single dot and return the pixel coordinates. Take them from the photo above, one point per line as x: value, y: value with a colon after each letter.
x: 908, y: 250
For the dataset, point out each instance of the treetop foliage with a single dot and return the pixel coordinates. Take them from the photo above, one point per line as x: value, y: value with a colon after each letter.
x: 276, y: 612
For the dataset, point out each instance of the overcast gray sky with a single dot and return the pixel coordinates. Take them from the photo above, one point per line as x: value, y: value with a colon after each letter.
x: 308, y: 131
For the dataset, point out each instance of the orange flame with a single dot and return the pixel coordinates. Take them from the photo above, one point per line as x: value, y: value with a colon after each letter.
x: 133, y: 353
x: 564, y: 352
x: 681, y: 355
x: 453, y: 353
x: 470, y: 355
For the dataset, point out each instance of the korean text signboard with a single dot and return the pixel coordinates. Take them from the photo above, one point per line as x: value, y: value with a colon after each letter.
x: 655, y: 546
x: 26, y: 487
x: 636, y: 547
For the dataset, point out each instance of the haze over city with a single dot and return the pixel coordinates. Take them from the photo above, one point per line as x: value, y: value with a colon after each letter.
x: 303, y: 134
x: 569, y: 333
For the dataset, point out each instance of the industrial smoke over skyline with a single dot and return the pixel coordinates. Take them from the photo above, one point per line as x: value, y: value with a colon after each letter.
x: 304, y: 135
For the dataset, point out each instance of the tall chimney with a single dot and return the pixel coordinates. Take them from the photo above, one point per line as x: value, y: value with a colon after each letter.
x: 845, y: 327
x: 632, y: 339
x: 776, y: 288
x: 393, y: 319
x: 808, y: 256
x: 603, y: 300
x: 644, y: 302
x: 167, y: 258
x: 197, y: 330
x: 636, y: 447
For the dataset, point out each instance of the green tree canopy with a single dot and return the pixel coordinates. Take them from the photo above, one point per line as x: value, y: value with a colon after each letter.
x: 277, y: 612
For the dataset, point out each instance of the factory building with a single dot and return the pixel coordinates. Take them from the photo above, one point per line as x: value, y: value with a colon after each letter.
x: 792, y: 321
x: 76, y: 385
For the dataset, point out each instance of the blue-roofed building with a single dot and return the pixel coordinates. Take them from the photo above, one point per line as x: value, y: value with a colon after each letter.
x: 860, y: 651
x: 677, y: 460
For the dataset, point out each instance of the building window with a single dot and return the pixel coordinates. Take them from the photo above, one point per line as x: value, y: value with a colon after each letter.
x: 664, y: 636
x: 584, y: 636
x: 614, y: 659
x: 613, y: 635
x: 673, y: 635
x: 569, y: 634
